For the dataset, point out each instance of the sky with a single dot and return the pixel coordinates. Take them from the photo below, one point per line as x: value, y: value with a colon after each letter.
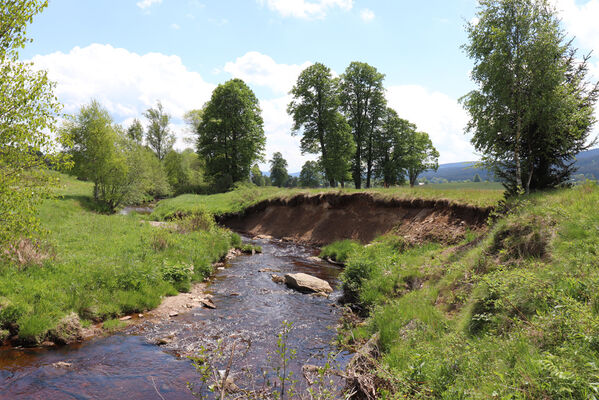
x: 129, y: 54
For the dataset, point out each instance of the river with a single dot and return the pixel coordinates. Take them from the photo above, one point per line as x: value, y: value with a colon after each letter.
x: 250, y: 309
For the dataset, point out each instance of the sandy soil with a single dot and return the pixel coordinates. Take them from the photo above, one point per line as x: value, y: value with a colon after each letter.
x: 325, y: 218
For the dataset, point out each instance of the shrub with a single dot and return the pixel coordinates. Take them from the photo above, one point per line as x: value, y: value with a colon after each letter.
x: 339, y: 251
x: 179, y: 275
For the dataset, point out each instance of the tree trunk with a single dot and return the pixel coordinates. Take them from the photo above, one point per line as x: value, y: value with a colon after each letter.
x: 517, y: 154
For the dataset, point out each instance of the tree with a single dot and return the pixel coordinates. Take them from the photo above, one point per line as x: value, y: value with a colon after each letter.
x: 476, y: 178
x: 231, y: 134
x: 146, y: 177
x: 421, y: 155
x: 315, y: 111
x: 533, y: 109
x: 98, y: 154
x: 159, y: 137
x: 136, y: 131
x: 391, y: 148
x: 27, y: 123
x: 311, y: 175
x: 193, y: 119
x: 184, y: 171
x: 278, y: 170
x: 363, y: 102
x: 256, y: 176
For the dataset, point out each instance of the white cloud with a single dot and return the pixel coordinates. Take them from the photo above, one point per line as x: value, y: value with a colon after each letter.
x: 437, y: 114
x: 175, y: 27
x: 143, y: 4
x: 260, y: 69
x: 581, y: 20
x: 125, y: 83
x: 367, y: 15
x: 306, y: 8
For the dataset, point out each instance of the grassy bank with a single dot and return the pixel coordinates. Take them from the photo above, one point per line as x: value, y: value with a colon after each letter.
x: 100, y: 266
x: 514, y: 316
x: 478, y: 194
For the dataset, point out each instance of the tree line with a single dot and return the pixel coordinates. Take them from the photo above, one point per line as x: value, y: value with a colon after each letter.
x: 346, y: 121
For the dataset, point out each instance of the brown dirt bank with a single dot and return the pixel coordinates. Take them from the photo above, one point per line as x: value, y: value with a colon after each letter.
x: 324, y: 218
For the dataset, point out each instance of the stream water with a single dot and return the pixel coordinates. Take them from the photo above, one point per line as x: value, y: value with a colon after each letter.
x: 250, y: 309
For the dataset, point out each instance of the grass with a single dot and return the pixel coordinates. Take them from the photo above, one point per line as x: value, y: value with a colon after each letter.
x: 482, y: 194
x: 514, y: 316
x: 339, y: 251
x: 104, y: 266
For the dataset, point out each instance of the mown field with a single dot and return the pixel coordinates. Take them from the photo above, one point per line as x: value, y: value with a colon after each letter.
x: 100, y: 266
x: 512, y: 316
x: 482, y: 194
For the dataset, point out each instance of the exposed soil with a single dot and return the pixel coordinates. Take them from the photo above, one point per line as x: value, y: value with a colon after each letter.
x: 324, y: 218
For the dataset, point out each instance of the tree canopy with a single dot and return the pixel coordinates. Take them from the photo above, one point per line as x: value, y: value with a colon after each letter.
x: 311, y: 175
x: 28, y: 110
x: 533, y: 109
x: 421, y: 155
x: 278, y: 170
x: 159, y: 137
x: 363, y: 102
x: 231, y: 135
x: 315, y: 112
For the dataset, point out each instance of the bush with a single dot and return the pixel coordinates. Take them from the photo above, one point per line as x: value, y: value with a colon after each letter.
x: 179, y: 275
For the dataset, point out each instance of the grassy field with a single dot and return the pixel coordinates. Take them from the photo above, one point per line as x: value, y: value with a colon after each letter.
x: 514, y: 316
x: 482, y: 194
x: 100, y: 266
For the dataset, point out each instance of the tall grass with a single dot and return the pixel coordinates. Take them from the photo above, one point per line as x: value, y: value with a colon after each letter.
x: 514, y: 317
x: 104, y: 265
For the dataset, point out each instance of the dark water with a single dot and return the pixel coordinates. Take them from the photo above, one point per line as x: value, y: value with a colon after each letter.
x: 250, y: 309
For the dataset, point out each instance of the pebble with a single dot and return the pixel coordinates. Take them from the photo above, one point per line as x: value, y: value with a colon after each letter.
x: 127, y: 318
x: 173, y: 314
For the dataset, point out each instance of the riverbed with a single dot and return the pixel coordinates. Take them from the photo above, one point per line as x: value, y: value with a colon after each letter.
x: 250, y: 311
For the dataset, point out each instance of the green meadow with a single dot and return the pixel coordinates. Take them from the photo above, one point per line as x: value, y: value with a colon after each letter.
x: 100, y: 266
x: 513, y: 314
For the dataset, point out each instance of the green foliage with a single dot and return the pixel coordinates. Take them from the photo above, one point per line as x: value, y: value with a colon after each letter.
x: 146, y: 176
x: 315, y: 111
x: 391, y: 145
x: 340, y: 251
x: 135, y: 132
x: 363, y: 102
x: 278, y: 170
x: 105, y: 265
x: 498, y: 319
x: 421, y: 155
x: 113, y: 324
x: 256, y: 176
x: 159, y: 137
x: 28, y: 110
x: 533, y: 109
x: 310, y: 175
x: 185, y: 172
x: 231, y: 134
x: 99, y: 153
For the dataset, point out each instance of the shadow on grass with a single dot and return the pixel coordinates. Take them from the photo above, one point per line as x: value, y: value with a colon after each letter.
x: 89, y: 204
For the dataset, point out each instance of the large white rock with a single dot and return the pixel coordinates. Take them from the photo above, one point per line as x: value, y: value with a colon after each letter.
x: 307, y: 283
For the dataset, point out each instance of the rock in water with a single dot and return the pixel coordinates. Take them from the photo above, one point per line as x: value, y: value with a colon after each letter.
x: 67, y: 331
x: 307, y: 283
x: 208, y: 303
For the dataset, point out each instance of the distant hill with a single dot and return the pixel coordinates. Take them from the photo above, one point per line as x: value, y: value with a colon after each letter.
x: 587, y: 163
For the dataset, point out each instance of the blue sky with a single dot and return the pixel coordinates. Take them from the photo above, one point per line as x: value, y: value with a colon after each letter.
x: 131, y: 53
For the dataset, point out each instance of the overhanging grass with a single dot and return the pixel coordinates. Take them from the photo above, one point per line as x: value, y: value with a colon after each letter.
x: 500, y: 320
x: 104, y: 266
x: 245, y: 195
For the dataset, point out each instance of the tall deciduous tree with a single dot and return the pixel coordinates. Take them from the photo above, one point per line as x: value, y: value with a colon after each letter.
x: 159, y: 137
x: 310, y: 176
x: 391, y: 145
x: 315, y: 112
x: 278, y: 170
x: 231, y: 134
x: 421, y: 155
x: 27, y: 120
x: 533, y: 109
x: 363, y: 102
x: 135, y: 132
x: 98, y: 155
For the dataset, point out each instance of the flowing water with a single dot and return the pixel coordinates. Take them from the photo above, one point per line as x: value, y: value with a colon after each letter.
x: 250, y: 309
